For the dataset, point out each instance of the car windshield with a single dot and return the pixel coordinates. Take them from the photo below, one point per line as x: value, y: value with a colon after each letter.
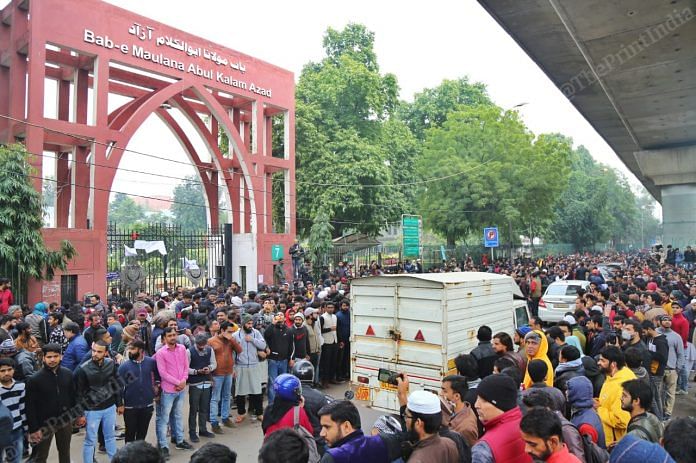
x: 562, y: 290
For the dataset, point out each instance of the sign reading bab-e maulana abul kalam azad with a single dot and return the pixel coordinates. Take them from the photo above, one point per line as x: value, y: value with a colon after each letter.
x: 174, y: 53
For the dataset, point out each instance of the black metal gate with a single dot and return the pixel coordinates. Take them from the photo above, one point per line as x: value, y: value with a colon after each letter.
x: 135, y: 261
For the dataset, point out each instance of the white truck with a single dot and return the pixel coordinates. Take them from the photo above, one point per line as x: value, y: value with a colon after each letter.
x: 419, y: 323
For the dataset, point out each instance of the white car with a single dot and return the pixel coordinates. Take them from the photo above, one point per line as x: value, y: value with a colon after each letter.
x: 559, y: 299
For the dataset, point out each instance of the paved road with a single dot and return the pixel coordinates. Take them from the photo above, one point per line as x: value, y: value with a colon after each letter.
x: 246, y: 439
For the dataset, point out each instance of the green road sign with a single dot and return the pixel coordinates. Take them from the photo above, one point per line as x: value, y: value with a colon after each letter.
x: 276, y: 252
x: 411, y: 229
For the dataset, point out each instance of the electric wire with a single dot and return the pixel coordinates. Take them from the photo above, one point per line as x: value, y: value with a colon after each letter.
x: 344, y: 185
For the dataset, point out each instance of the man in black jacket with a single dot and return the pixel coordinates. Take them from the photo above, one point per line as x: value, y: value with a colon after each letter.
x: 659, y: 351
x: 51, y: 406
x: 483, y: 353
x: 98, y: 385
x: 279, y: 342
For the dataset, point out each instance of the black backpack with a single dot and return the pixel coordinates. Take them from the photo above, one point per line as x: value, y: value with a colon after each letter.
x: 593, y: 452
x: 306, y: 436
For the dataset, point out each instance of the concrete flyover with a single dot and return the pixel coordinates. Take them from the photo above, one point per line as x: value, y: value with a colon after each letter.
x: 629, y: 67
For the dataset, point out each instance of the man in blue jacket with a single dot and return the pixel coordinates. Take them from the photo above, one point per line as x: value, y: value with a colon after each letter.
x: 77, y: 347
x: 343, y: 332
x: 141, y: 380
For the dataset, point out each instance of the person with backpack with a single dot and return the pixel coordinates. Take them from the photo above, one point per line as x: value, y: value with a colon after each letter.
x: 543, y: 437
x: 571, y: 437
x: 314, y: 400
x: 12, y: 414
x: 279, y: 414
x: 582, y: 412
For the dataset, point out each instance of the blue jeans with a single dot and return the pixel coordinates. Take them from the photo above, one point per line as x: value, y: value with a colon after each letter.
x: 222, y: 391
x: 275, y: 369
x: 107, y: 418
x: 683, y: 379
x: 13, y: 452
x: 170, y: 402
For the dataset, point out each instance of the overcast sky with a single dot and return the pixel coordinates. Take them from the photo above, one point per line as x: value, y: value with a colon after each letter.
x: 422, y: 44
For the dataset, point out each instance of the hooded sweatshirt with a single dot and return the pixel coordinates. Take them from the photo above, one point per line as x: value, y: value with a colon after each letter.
x: 540, y: 355
x: 614, y: 418
x: 582, y: 413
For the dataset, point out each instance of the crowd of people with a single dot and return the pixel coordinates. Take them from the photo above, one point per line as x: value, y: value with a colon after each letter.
x: 598, y: 386
x: 72, y: 366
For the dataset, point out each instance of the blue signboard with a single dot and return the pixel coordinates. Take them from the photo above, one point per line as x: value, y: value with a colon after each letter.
x: 490, y: 237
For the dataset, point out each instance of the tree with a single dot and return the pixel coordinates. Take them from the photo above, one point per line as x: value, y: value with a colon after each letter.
x: 21, y: 218
x: 431, y: 106
x: 319, y: 242
x: 597, y: 206
x: 189, y: 205
x: 346, y: 155
x: 124, y: 211
x: 490, y: 170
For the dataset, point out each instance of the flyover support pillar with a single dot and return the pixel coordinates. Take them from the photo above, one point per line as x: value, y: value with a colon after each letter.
x: 673, y: 171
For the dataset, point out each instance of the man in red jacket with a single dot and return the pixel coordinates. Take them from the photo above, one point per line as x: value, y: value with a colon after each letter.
x: 6, y: 297
x: 543, y: 437
x: 680, y: 325
x: 497, y: 408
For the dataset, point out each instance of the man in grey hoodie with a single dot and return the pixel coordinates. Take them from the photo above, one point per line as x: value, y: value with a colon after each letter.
x: 249, y: 371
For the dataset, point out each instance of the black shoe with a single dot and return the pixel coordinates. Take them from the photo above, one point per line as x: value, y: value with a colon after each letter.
x: 194, y: 438
x: 165, y: 453
x: 102, y: 449
x: 121, y: 436
x: 207, y: 434
x: 183, y: 445
x: 173, y: 440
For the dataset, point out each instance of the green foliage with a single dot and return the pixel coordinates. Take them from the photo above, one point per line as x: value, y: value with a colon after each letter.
x: 319, y: 240
x: 124, y: 211
x: 597, y: 206
x: 355, y: 41
x: 345, y: 136
x: 189, y: 205
x: 497, y: 172
x: 21, y: 243
x: 431, y: 106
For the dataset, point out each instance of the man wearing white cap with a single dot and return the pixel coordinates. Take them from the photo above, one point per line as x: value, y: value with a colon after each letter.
x: 423, y: 418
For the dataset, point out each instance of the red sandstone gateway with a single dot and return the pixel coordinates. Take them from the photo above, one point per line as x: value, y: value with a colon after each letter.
x: 91, y: 50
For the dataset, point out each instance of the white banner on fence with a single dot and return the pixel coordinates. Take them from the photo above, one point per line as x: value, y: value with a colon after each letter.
x: 151, y: 246
x: 130, y: 252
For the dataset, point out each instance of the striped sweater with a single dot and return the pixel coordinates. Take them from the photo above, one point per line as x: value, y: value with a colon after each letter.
x: 13, y: 398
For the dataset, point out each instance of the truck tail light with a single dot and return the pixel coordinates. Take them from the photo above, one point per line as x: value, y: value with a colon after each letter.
x: 363, y: 380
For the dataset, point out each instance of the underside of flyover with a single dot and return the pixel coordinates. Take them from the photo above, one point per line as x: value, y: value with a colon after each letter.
x: 629, y: 67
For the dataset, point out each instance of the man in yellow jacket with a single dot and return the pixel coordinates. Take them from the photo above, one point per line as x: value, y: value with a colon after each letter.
x: 537, y: 347
x: 614, y: 418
